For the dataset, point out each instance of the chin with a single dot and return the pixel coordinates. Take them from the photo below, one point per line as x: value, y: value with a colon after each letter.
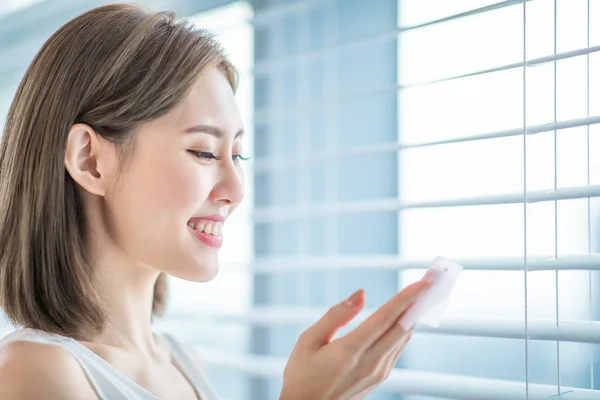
x: 197, y: 272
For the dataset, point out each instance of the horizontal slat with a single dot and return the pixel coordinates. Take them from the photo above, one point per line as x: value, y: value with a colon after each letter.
x: 406, y: 381
x: 468, y: 13
x: 266, y: 67
x: 268, y: 265
x: 266, y: 115
x: 567, y: 331
x: 270, y: 214
x: 276, y: 13
x: 534, y: 62
x: 537, y: 329
x: 267, y: 164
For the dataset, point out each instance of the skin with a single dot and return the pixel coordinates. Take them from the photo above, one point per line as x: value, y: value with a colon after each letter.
x: 139, y: 217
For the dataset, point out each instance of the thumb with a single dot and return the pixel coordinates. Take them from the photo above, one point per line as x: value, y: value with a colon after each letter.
x: 335, y: 318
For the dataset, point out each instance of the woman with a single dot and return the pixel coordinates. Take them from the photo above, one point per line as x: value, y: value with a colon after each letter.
x: 119, y: 164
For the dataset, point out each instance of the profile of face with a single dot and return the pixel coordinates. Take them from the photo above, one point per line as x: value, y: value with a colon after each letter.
x: 167, y: 207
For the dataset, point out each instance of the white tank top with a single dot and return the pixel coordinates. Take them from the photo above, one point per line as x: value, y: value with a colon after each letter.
x: 108, y: 382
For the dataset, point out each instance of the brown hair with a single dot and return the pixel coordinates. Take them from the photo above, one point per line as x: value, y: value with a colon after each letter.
x: 112, y: 68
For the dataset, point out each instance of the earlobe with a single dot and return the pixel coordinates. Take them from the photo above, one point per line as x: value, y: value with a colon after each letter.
x: 85, y: 159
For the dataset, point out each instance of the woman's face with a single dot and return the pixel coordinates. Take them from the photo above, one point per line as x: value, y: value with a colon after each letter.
x: 169, y: 207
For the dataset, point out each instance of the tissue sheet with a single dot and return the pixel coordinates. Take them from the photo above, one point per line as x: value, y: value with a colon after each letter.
x: 429, y: 307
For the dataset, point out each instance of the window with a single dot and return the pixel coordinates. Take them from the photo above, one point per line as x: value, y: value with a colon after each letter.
x: 314, y: 97
x: 389, y: 132
x: 440, y: 119
x: 386, y: 133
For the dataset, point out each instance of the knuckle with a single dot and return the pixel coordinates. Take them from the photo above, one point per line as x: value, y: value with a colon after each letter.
x: 349, y: 347
x: 382, y: 374
x: 352, y: 360
x: 335, y: 311
x: 368, y: 371
x: 345, y: 359
x: 346, y: 348
x: 373, y: 372
x: 304, y: 336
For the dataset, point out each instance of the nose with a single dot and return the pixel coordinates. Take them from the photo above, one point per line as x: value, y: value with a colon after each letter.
x: 230, y: 185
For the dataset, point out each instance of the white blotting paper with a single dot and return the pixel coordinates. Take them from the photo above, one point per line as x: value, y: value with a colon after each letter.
x: 430, y: 305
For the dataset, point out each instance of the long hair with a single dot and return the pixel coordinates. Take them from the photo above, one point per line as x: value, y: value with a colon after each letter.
x: 112, y: 68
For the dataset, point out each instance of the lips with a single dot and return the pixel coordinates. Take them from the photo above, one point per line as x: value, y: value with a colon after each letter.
x: 207, y: 226
x: 208, y: 229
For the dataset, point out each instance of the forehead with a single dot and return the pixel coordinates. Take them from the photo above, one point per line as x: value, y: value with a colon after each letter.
x: 211, y: 101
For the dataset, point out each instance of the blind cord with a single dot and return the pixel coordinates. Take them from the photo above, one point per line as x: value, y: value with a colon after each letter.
x: 525, y: 195
x: 589, y: 216
x: 556, y: 274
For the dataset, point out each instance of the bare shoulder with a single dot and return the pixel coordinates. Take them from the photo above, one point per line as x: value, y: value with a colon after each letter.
x: 30, y: 370
x: 194, y: 355
x: 191, y: 351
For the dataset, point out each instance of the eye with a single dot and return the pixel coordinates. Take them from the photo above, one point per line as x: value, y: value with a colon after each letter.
x: 239, y: 157
x: 205, y: 155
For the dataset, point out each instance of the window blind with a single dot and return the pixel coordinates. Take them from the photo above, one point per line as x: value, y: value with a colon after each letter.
x: 389, y: 132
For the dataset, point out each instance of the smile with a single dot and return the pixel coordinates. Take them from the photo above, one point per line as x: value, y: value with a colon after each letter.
x: 209, y: 227
x: 209, y: 232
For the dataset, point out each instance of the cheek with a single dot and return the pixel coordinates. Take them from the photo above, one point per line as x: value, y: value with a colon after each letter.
x: 168, y: 188
x: 183, y: 185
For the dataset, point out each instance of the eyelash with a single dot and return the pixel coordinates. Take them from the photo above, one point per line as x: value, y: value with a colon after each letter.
x: 206, y: 155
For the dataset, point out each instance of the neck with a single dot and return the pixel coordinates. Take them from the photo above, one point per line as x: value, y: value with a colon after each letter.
x: 127, y: 291
x: 126, y: 287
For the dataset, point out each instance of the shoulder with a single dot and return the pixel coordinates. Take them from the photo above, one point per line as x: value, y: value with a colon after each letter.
x: 187, y: 349
x: 30, y: 370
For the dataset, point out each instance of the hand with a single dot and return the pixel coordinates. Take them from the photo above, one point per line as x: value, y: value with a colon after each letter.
x: 354, y: 364
x: 363, y: 395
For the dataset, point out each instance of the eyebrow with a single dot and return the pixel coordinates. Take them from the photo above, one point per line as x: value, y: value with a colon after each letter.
x: 211, y: 130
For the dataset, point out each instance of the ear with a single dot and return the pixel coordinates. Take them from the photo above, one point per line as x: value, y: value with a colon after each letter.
x: 89, y: 159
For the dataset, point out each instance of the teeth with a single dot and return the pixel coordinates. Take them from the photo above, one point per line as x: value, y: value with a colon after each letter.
x: 208, y: 227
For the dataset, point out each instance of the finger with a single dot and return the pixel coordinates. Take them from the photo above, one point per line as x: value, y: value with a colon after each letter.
x: 363, y: 394
x: 392, y: 357
x: 337, y: 316
x: 395, y: 355
x: 382, y: 371
x: 387, y: 364
x: 388, y: 342
x: 383, y: 319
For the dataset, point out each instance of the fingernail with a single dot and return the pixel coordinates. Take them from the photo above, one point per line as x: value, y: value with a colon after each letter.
x: 354, y: 300
x: 427, y: 284
x: 424, y: 286
x: 419, y: 287
x: 408, y: 327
